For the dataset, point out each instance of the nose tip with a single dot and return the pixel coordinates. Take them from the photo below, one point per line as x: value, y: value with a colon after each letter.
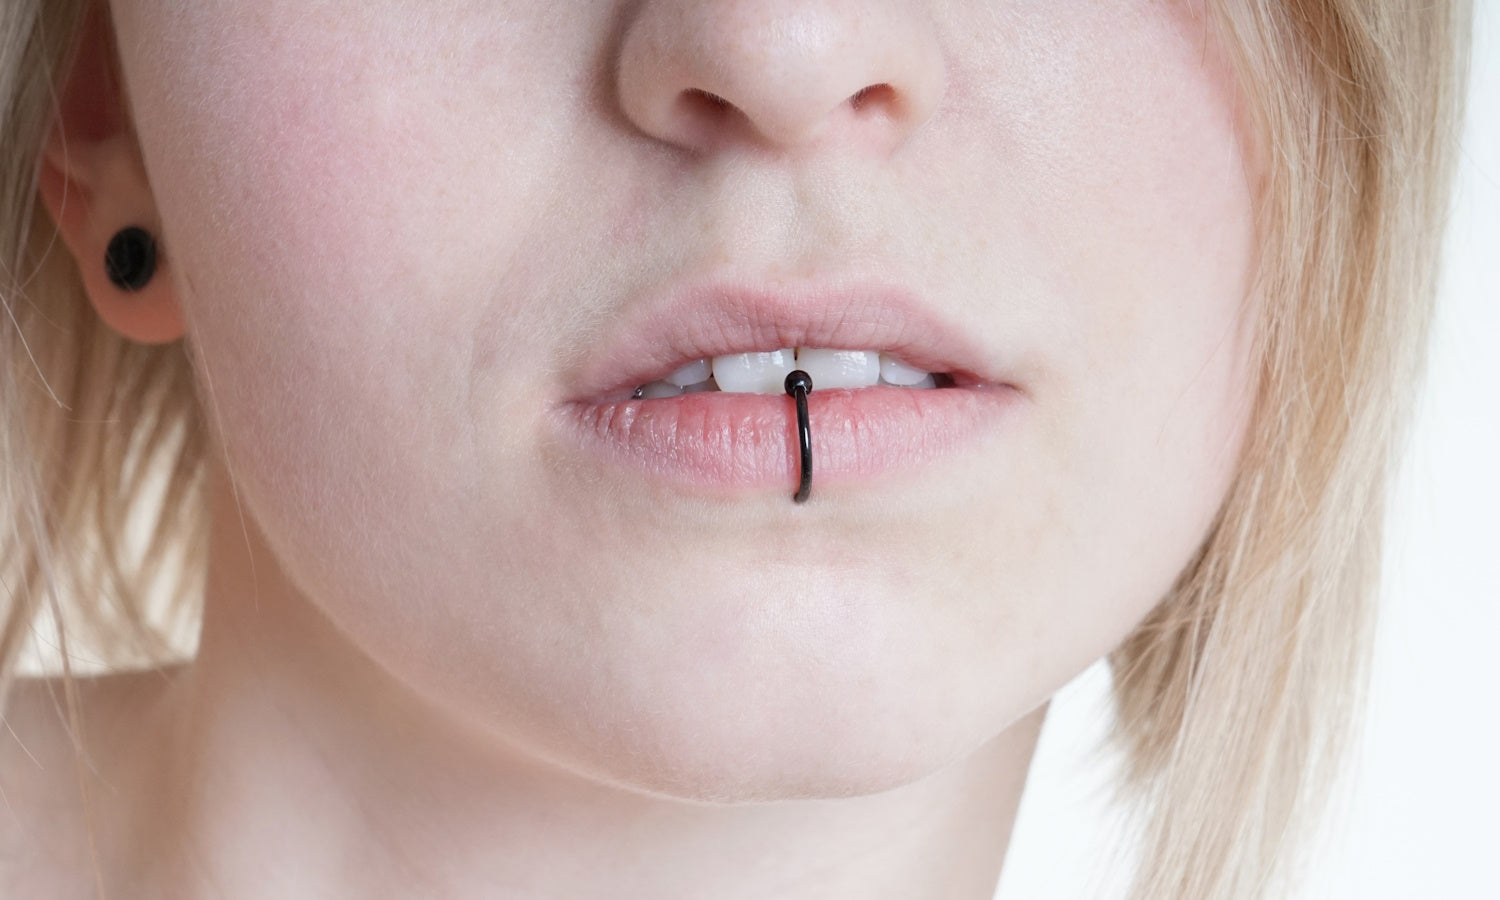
x: 785, y: 73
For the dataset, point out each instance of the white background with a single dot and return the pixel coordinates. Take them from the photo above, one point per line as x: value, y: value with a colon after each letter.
x: 1423, y: 818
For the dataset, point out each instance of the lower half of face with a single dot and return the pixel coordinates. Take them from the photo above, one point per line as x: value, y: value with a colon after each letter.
x: 400, y: 240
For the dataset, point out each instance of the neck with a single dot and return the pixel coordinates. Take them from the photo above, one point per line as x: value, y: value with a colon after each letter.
x: 392, y: 795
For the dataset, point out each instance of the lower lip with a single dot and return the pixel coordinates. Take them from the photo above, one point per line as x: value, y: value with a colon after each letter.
x: 715, y: 439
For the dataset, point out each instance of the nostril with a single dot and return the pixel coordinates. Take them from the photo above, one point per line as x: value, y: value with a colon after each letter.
x: 713, y: 98
x: 699, y: 99
x: 874, y: 93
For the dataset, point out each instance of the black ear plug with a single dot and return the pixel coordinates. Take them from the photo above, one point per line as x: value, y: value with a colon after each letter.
x: 798, y: 383
x: 130, y: 258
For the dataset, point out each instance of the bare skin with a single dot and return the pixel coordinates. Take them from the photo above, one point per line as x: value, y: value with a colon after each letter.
x: 447, y: 654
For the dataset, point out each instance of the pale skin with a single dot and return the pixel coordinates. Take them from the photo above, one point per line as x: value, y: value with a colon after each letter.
x: 438, y: 662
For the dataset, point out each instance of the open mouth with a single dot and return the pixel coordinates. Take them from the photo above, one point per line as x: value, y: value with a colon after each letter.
x: 765, y: 373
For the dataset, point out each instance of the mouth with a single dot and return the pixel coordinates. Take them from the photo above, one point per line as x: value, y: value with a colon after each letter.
x: 690, y: 394
x: 764, y: 372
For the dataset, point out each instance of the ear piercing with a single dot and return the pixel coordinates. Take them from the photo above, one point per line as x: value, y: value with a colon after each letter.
x: 130, y: 260
x: 798, y: 383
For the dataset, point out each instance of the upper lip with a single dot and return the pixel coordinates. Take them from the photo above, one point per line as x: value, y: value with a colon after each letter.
x: 720, y: 318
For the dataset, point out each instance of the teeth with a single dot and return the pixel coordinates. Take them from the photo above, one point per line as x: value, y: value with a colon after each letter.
x: 692, y: 373
x: 839, y: 368
x: 659, y: 389
x: 894, y: 371
x: 754, y: 373
x: 765, y: 373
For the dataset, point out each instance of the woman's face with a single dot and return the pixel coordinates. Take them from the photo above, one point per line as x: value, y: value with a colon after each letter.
x: 423, y: 251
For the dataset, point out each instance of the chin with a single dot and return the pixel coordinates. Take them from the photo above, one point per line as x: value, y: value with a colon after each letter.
x: 763, y: 734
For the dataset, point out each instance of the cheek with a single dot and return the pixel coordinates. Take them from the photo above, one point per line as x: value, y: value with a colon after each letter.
x: 331, y: 285
x: 303, y: 184
x: 1124, y: 208
x: 1161, y: 336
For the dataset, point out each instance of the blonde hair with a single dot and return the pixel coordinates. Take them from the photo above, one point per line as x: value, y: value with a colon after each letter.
x: 1238, y: 694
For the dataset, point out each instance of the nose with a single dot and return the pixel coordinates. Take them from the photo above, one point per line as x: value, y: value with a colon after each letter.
x: 785, y: 73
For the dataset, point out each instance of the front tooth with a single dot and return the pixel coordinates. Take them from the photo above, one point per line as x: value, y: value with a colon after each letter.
x: 894, y: 371
x: 692, y: 373
x: 839, y: 368
x: 756, y: 373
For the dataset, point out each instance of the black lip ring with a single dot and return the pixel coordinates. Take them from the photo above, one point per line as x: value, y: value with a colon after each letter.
x: 798, y: 383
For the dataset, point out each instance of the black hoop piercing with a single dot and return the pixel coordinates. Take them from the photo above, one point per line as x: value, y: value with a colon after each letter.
x: 798, y: 383
x: 130, y: 260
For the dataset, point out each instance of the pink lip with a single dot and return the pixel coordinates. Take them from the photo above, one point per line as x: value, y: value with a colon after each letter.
x: 716, y: 441
x: 710, y: 439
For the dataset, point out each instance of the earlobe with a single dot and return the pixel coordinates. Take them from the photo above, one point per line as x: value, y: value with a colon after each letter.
x: 93, y: 183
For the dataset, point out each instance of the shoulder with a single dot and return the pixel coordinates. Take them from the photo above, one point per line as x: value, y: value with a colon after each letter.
x: 44, y: 844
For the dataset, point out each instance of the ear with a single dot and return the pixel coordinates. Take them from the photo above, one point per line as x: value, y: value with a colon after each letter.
x: 93, y: 183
